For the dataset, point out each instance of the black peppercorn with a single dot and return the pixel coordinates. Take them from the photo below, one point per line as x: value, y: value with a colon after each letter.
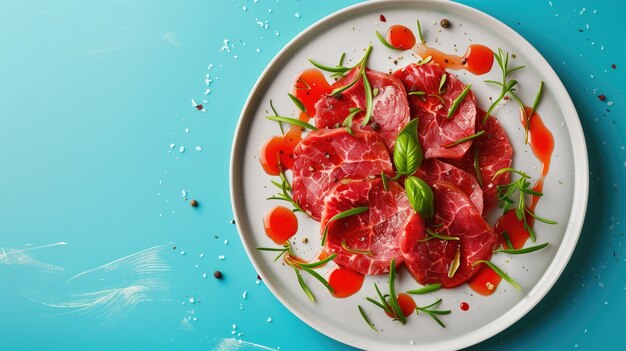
x: 445, y: 23
x: 218, y: 275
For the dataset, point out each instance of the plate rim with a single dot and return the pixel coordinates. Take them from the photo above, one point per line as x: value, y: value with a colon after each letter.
x: 579, y: 200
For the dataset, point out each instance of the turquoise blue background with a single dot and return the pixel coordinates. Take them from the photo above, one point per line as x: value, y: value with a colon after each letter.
x: 93, y: 93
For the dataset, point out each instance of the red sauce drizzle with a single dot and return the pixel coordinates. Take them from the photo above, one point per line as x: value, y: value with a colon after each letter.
x: 514, y: 228
x: 345, y: 282
x: 464, y: 306
x: 309, y: 86
x: 400, y: 37
x: 485, y: 281
x: 280, y: 224
x: 541, y: 141
x: 478, y: 59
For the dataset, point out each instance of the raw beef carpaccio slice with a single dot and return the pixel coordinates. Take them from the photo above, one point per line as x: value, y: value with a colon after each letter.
x: 435, y: 129
x: 429, y: 261
x: 494, y: 152
x: 434, y: 170
x: 327, y: 156
x: 390, y: 105
x: 371, y: 238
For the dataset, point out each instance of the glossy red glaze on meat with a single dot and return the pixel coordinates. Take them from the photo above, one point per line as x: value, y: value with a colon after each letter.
x: 435, y: 129
x: 434, y: 170
x: 429, y: 262
x: 327, y: 156
x: 494, y: 152
x: 375, y: 231
x: 390, y: 105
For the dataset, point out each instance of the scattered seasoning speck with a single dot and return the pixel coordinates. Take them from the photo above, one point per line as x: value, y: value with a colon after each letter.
x: 245, y: 294
x: 221, y: 257
x: 191, y: 300
x: 602, y: 97
x: 201, y: 255
x: 172, y: 146
x: 193, y: 203
x: 614, y: 66
x: 204, y: 275
x: 199, y: 107
x: 183, y: 253
x: 219, y: 275
x: 269, y: 319
x: 297, y: 14
x: 181, y: 149
x: 382, y: 18
x: 305, y: 240
x: 445, y: 23
x: 198, y: 148
x: 226, y: 242
x: 232, y: 221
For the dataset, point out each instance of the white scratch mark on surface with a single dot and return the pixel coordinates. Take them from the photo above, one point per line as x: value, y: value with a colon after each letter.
x: 10, y: 256
x: 112, y: 289
x: 238, y: 345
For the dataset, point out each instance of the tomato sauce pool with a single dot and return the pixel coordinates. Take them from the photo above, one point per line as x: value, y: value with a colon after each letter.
x: 280, y: 224
x: 345, y: 282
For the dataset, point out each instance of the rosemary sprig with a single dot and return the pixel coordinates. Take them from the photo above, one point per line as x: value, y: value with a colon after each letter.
x: 432, y: 312
x: 284, y: 194
x: 383, y: 176
x: 292, y: 121
x: 280, y: 124
x: 459, y: 99
x: 344, y: 214
x: 479, y: 177
x: 507, y: 239
x: 296, y: 102
x: 362, y: 64
x: 425, y: 289
x: 356, y: 251
x: 337, y: 71
x: 462, y: 140
x: 500, y: 272
x: 419, y: 92
x: 303, y: 285
x: 367, y: 320
x: 393, y: 298
x: 523, y: 250
x: 385, y: 42
x: 285, y: 249
x: 424, y: 61
x: 369, y: 99
x: 435, y: 235
x: 520, y: 185
x: 317, y: 264
x: 507, y: 86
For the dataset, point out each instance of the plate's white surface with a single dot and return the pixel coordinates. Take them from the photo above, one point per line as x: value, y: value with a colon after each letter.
x: 566, y: 187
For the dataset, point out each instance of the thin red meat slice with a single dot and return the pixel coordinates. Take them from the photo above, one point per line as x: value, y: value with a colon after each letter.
x: 494, y: 152
x: 434, y: 170
x: 374, y: 232
x: 327, y: 156
x: 390, y: 105
x: 429, y: 261
x: 435, y: 129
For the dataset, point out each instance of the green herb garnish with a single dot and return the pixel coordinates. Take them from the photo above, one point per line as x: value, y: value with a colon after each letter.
x: 393, y: 298
x: 456, y: 262
x: 424, y: 290
x: 303, y: 285
x: 442, y: 82
x: 296, y: 102
x: 523, y: 250
x: 344, y: 214
x: 407, y: 151
x: 479, y: 177
x: 457, y: 102
x: 532, y: 111
x: 507, y: 86
x: 356, y: 251
x: 284, y: 194
x: 433, y: 313
x: 462, y: 140
x: 385, y: 42
x: 347, y: 122
x: 280, y: 124
x: 419, y: 32
x: 420, y: 196
x: 435, y: 235
x: 367, y: 320
x: 292, y: 121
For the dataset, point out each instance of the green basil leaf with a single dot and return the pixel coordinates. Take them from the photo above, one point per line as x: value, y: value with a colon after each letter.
x: 420, y: 196
x: 407, y: 151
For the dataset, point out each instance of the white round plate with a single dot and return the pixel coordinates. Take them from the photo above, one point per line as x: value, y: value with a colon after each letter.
x: 565, y: 194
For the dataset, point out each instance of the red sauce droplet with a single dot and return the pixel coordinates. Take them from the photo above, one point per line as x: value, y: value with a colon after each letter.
x: 199, y: 107
x: 479, y: 59
x: 400, y: 37
x: 277, y: 153
x: 345, y: 282
x: 280, y: 224
x: 383, y: 19
x: 464, y: 306
x: 485, y: 281
x: 309, y: 86
x: 541, y: 141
